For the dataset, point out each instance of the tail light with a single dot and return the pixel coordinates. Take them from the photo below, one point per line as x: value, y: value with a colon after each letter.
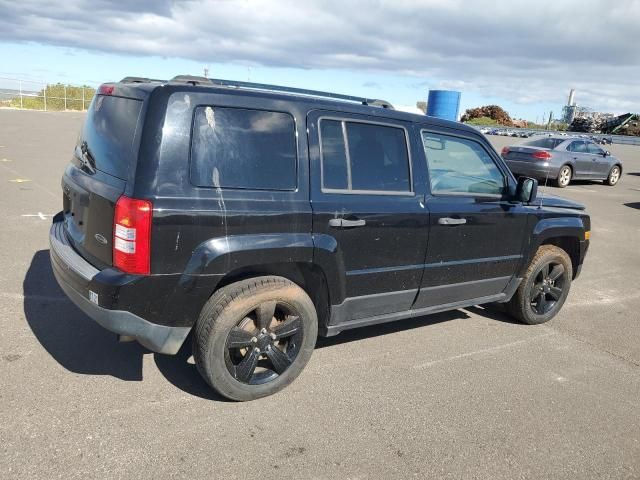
x: 132, y: 235
x: 505, y: 151
x: 105, y: 89
x: 541, y: 155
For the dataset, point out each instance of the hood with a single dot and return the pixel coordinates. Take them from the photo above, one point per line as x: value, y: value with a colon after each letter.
x: 547, y: 200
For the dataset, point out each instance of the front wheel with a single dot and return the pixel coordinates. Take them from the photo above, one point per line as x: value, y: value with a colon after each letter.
x: 544, y: 288
x: 254, y: 337
x: 564, y: 176
x: 614, y: 176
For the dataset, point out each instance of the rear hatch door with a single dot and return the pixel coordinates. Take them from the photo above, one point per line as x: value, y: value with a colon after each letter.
x: 103, y: 162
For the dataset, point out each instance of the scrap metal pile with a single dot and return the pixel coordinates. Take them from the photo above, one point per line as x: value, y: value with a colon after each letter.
x: 586, y: 124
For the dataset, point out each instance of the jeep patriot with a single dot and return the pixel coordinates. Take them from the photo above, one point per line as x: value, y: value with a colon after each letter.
x: 252, y: 218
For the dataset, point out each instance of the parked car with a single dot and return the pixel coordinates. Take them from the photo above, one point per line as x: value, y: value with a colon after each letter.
x: 563, y: 159
x: 257, y: 217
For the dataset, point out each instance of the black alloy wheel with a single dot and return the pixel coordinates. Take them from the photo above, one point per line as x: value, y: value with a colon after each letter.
x: 264, y: 344
x: 544, y: 286
x: 547, y: 288
x: 255, y: 336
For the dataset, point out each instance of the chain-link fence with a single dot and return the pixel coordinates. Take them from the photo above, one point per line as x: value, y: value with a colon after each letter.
x: 35, y: 95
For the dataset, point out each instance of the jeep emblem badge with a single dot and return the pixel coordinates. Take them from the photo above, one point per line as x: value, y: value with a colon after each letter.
x: 100, y: 239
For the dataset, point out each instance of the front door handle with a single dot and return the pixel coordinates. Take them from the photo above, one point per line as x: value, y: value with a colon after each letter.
x: 452, y: 221
x: 342, y: 222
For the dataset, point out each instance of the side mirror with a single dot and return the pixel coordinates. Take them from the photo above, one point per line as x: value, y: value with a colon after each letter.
x: 606, y: 153
x: 527, y: 190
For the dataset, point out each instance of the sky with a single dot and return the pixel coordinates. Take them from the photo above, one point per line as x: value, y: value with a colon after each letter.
x: 521, y: 55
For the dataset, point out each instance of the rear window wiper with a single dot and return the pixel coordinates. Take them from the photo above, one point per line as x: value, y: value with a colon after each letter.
x: 87, y: 159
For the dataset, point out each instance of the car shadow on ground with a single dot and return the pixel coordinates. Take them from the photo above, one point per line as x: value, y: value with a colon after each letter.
x: 81, y: 346
x: 635, y: 174
x: 76, y: 342
x: 635, y: 205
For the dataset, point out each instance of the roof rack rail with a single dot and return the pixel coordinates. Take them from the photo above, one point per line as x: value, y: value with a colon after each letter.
x: 191, y: 79
x: 141, y: 80
x: 300, y: 91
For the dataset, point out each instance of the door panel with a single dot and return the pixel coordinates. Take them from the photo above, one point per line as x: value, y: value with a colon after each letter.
x: 474, y: 259
x: 475, y: 234
x: 599, y: 163
x: 380, y: 236
x: 582, y: 161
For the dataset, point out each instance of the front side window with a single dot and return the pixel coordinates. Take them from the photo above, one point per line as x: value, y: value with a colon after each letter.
x: 594, y: 149
x: 461, y: 166
x: 243, y: 148
x: 364, y: 157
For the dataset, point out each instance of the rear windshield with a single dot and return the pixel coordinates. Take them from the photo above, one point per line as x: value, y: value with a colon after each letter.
x: 544, y: 143
x: 109, y: 132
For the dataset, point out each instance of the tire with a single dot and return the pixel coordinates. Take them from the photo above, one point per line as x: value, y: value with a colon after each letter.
x: 535, y: 301
x: 614, y: 176
x: 564, y: 176
x: 242, y: 343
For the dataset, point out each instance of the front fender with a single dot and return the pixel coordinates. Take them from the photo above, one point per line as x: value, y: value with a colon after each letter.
x: 558, y: 227
x: 549, y: 228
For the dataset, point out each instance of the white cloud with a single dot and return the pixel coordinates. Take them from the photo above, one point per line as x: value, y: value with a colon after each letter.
x: 522, y: 51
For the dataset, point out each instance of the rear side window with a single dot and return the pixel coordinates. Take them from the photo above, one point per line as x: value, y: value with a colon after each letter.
x: 549, y: 143
x: 108, y: 134
x: 243, y: 148
x: 577, y: 146
x: 364, y: 157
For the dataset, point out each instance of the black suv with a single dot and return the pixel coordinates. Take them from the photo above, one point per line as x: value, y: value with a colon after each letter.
x: 258, y: 217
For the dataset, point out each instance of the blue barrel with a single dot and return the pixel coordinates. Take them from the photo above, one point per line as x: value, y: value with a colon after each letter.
x: 443, y: 104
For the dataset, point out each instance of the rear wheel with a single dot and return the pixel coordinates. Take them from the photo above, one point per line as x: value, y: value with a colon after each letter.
x: 564, y: 176
x: 614, y: 176
x: 254, y: 337
x: 544, y: 288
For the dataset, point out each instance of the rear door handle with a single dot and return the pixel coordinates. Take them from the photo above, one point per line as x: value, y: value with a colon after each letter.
x: 341, y: 222
x: 452, y: 221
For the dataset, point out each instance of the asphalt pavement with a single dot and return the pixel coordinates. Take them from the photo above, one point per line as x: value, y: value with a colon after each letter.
x: 463, y: 394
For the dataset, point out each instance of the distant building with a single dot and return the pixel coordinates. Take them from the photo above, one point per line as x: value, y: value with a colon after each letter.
x: 569, y: 112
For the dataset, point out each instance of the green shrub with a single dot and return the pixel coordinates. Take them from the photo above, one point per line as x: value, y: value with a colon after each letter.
x: 483, y: 121
x: 55, y: 98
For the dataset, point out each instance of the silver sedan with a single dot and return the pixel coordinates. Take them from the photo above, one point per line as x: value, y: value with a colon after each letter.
x: 563, y: 159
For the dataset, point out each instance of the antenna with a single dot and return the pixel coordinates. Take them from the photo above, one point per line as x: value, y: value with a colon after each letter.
x: 546, y: 180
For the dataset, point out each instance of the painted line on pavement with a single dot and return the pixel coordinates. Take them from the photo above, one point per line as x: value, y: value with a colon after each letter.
x: 40, y: 215
x: 484, y: 350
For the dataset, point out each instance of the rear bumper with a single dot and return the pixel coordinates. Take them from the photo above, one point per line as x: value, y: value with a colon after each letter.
x: 93, y: 291
x: 539, y: 170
